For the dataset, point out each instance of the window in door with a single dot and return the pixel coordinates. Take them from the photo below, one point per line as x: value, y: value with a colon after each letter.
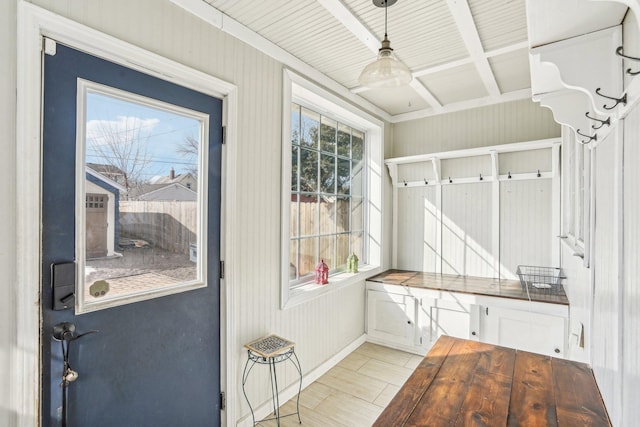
x: 141, y: 224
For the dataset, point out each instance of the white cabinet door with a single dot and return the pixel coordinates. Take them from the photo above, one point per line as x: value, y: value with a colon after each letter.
x: 442, y: 317
x: 391, y: 317
x: 534, y: 332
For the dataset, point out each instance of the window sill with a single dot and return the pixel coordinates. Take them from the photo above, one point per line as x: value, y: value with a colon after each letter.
x: 310, y: 291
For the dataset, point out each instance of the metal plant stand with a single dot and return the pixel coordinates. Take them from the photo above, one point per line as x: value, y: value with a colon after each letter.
x: 271, y: 350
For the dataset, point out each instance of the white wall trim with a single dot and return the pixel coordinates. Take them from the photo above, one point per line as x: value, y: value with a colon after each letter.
x: 291, y: 391
x: 34, y: 23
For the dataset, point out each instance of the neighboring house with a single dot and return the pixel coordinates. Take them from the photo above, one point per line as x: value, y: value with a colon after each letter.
x: 111, y: 172
x: 174, y: 192
x: 102, y: 213
x: 185, y: 179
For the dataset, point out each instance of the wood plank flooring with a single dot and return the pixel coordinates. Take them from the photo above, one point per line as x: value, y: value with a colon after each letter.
x: 354, y: 392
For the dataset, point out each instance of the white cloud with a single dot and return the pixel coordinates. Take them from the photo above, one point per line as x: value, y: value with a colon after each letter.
x: 123, y: 129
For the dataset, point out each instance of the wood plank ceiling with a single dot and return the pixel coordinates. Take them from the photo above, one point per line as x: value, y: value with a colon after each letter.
x: 462, y: 53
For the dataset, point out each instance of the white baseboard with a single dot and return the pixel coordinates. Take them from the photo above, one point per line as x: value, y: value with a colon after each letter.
x: 291, y: 391
x: 420, y: 351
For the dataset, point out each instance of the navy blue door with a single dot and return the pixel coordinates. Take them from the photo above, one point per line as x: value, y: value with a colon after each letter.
x: 155, y: 362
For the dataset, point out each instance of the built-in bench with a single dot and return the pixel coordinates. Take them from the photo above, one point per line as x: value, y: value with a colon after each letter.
x: 469, y: 383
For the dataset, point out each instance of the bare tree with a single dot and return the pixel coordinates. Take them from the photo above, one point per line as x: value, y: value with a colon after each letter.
x: 189, y: 149
x: 122, y: 144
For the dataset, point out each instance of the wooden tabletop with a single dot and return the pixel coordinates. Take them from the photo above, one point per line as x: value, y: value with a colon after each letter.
x: 468, y: 383
x: 466, y: 284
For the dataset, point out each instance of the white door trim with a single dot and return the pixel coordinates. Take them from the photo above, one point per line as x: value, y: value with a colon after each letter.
x: 34, y: 23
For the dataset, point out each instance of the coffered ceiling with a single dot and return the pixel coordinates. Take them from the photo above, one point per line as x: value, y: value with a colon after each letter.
x: 462, y: 53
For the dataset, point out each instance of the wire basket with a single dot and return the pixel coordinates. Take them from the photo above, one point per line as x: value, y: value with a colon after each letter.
x: 540, y: 279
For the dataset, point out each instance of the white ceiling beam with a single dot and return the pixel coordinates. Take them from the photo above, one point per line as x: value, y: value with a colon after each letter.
x: 344, y: 15
x: 507, y: 49
x: 229, y: 25
x: 469, y: 33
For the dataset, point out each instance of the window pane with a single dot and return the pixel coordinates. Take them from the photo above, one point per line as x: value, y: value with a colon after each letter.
x: 308, y: 215
x: 342, y: 216
x: 357, y: 178
x: 357, y: 244
x: 295, y: 124
x: 294, y: 211
x: 308, y: 256
x: 327, y: 174
x: 310, y: 123
x: 308, y: 170
x: 344, y: 140
x: 342, y: 251
x: 327, y: 215
x: 327, y: 251
x: 357, y: 145
x: 328, y: 135
x: 344, y: 176
x: 357, y: 213
x: 294, y: 168
x: 293, y: 260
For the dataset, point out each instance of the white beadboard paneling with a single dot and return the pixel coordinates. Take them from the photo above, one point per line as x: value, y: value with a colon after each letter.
x: 605, y: 353
x: 496, y: 124
x: 8, y: 175
x: 525, y: 225
x: 466, y: 167
x: 456, y: 84
x: 631, y: 289
x: 511, y: 70
x: 499, y: 22
x: 525, y: 161
x: 631, y: 38
x: 321, y: 327
x: 416, y: 172
x: 417, y: 229
x: 467, y: 231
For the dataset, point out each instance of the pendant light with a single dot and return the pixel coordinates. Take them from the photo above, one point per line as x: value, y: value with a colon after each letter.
x: 386, y: 70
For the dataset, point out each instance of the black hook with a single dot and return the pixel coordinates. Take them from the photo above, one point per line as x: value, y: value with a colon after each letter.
x: 619, y: 52
x: 509, y: 175
x: 622, y: 100
x: 602, y: 122
x: 426, y: 182
x: 450, y: 180
x: 591, y: 138
x: 481, y: 178
x: 405, y: 182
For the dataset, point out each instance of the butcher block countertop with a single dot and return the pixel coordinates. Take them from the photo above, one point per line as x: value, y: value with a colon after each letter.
x: 468, y: 285
x: 469, y: 383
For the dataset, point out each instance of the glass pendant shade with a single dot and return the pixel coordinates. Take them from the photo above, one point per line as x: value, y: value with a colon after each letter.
x: 386, y: 71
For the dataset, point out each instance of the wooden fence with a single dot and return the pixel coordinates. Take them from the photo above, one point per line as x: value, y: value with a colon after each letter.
x: 169, y: 225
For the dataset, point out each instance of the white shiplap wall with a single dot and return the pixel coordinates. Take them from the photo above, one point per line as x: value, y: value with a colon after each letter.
x: 631, y: 288
x: 605, y: 354
x: 320, y: 327
x: 417, y: 232
x: 496, y: 124
x: 8, y: 178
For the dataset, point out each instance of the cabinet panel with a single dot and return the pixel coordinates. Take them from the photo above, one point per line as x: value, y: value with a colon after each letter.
x: 441, y: 317
x: 391, y: 317
x: 534, y: 332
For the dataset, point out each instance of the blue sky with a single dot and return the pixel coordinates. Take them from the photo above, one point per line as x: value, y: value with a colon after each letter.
x: 156, y: 132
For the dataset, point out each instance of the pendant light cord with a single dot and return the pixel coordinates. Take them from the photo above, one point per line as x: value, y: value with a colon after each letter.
x: 385, y: 19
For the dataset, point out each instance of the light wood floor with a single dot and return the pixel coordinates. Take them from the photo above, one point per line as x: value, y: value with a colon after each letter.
x: 354, y: 392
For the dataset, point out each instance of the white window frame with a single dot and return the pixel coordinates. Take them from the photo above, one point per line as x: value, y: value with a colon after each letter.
x: 301, y: 91
x: 576, y: 204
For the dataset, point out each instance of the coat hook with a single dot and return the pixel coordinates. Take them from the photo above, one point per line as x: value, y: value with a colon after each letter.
x: 602, y: 122
x: 405, y: 182
x: 509, y: 175
x: 450, y: 180
x: 622, y: 100
x: 619, y: 52
x: 426, y: 182
x: 538, y: 175
x: 481, y: 178
x: 591, y: 138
